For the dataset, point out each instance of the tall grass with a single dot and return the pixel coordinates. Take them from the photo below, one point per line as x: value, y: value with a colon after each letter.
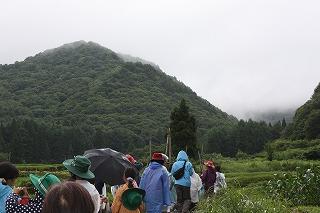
x: 241, y: 201
x: 300, y: 187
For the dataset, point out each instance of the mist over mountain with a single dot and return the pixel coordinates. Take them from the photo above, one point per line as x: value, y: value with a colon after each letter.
x: 271, y: 116
x: 130, y: 58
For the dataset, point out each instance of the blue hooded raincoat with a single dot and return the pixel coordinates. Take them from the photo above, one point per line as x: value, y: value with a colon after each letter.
x: 188, y: 171
x: 5, y: 191
x: 155, y: 182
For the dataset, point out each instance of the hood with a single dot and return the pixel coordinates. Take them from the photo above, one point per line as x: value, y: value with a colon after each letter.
x: 182, y: 156
x: 155, y: 165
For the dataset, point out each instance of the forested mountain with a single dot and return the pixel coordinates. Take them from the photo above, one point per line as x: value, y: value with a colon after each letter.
x: 87, y: 86
x: 306, y: 122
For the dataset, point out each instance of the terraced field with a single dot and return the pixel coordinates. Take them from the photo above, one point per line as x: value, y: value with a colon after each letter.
x: 247, y: 187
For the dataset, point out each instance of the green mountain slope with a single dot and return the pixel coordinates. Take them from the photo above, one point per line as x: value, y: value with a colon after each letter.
x: 83, y: 83
x: 306, y: 122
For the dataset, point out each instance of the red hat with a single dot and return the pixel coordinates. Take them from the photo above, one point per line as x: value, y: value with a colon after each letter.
x: 131, y: 159
x: 157, y: 156
x: 209, y: 163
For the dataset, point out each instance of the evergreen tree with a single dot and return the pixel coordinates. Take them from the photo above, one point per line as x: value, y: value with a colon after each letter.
x: 284, y: 123
x: 183, y: 130
x: 312, y: 125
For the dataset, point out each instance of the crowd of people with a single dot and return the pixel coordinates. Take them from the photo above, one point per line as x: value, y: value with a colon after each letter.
x: 160, y: 188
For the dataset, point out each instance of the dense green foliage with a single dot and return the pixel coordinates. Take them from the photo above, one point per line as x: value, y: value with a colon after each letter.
x: 248, y: 137
x: 301, y: 187
x: 306, y: 122
x: 29, y: 141
x: 183, y: 130
x: 87, y: 88
x: 297, y: 149
x: 249, y: 189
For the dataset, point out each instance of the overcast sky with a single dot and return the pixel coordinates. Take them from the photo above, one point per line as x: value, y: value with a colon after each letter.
x: 241, y: 55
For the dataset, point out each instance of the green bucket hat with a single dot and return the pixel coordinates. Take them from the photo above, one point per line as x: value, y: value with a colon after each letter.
x: 132, y: 198
x: 42, y: 184
x: 79, y: 166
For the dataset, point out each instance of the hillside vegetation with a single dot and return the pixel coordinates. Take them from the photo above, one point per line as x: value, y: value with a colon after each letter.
x: 85, y: 90
x: 306, y: 122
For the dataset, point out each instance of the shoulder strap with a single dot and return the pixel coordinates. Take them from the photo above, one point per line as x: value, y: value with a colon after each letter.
x: 184, y: 165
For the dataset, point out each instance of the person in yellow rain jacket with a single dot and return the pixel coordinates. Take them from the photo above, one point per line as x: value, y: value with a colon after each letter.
x: 129, y: 197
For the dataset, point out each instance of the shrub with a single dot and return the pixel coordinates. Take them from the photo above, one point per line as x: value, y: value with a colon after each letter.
x: 301, y: 187
x: 241, y: 201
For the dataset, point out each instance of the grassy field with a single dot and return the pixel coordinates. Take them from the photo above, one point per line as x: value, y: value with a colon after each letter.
x: 247, y: 190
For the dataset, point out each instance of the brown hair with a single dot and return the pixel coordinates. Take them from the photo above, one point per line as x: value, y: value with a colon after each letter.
x: 130, y: 175
x: 68, y: 197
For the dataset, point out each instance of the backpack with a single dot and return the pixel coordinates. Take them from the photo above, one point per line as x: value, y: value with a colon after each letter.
x: 180, y: 172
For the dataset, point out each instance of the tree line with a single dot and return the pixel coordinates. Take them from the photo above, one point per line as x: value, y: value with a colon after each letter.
x: 28, y: 141
x: 249, y: 137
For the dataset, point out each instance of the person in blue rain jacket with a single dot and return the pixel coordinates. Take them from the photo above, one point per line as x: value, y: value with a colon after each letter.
x: 155, y: 182
x: 183, y: 184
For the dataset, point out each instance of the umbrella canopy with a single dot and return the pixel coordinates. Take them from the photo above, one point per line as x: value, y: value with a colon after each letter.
x: 108, y: 165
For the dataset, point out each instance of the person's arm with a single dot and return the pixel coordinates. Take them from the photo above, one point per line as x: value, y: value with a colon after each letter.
x: 173, y: 169
x: 190, y: 169
x: 204, y: 176
x: 97, y: 202
x: 143, y: 181
x: 141, y: 208
x: 116, y: 204
x: 166, y: 189
x: 199, y: 182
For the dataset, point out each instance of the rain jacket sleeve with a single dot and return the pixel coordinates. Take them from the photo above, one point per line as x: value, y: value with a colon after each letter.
x: 5, y: 191
x: 116, y: 204
x: 204, y: 176
x: 166, y: 190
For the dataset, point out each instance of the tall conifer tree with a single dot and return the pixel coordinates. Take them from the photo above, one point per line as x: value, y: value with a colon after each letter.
x: 183, y: 130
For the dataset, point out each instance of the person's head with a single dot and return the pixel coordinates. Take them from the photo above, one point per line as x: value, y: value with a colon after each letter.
x: 68, y: 197
x: 209, y: 164
x: 218, y: 168
x: 79, y: 168
x: 157, y: 157
x: 9, y: 173
x: 129, y: 176
x: 182, y: 156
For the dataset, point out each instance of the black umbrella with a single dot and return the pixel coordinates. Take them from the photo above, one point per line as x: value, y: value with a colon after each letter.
x: 108, y: 165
